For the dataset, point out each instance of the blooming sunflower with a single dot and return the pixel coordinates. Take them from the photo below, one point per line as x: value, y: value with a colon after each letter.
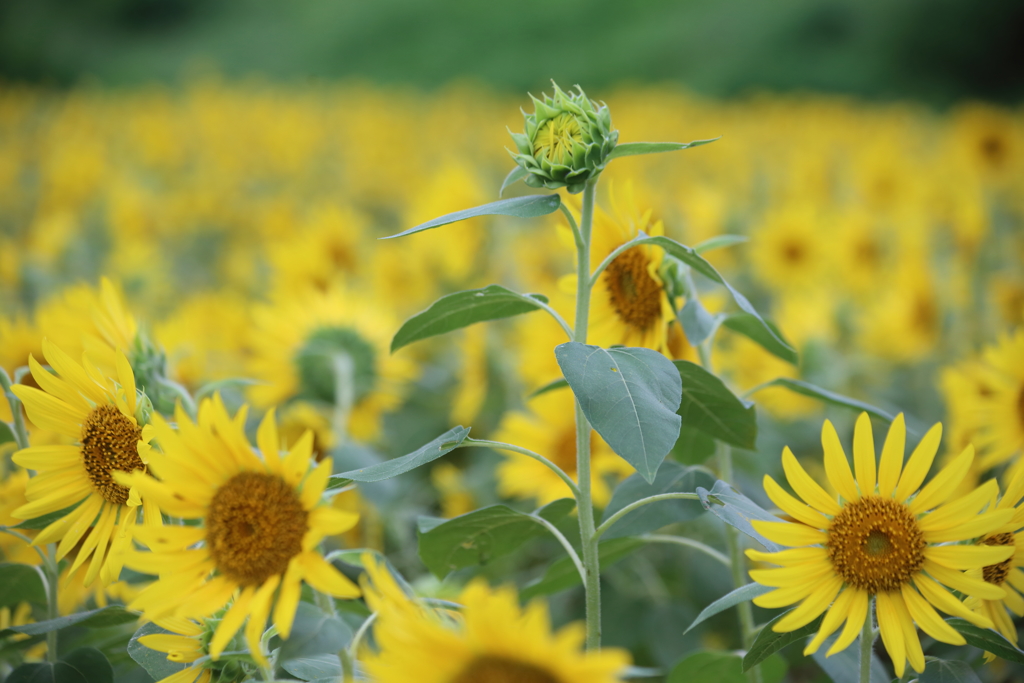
x: 550, y: 429
x: 185, y: 642
x: 259, y: 521
x: 294, y: 339
x: 789, y: 251
x: 999, y: 415
x: 81, y: 403
x: 493, y: 639
x: 880, y: 539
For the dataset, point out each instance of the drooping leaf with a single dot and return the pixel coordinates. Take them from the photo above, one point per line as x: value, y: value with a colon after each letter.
x: 693, y: 446
x: 708, y: 405
x: 741, y: 594
x: 461, y: 309
x: 629, y: 149
x: 722, y: 667
x: 20, y: 583
x: 84, y: 665
x: 671, y: 478
x: 562, y: 574
x: 314, y: 633
x: 430, y: 452
x: 768, y: 642
x: 947, y: 671
x: 155, y: 663
x: 479, y: 536
x: 520, y: 207
x: 514, y: 176
x: 844, y: 667
x: 314, y: 667
x: 987, y: 639
x: 630, y: 396
x: 808, y: 389
x: 736, y: 510
x: 719, y: 242
x: 112, y: 615
x: 697, y: 323
x: 764, y: 333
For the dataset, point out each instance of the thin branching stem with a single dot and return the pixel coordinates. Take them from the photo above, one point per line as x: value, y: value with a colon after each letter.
x: 608, y: 523
x: 689, y: 543
x: 499, y: 445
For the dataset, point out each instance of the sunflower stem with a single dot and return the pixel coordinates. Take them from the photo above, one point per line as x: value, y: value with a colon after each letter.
x: 499, y: 445
x: 867, y: 639
x: 344, y: 395
x: 584, y: 502
x: 608, y: 523
x: 20, y: 433
x: 52, y: 575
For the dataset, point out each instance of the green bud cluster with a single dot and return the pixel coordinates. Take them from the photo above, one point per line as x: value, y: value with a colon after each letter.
x: 566, y: 142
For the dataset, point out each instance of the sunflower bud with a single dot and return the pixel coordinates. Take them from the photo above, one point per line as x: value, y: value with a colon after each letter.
x: 568, y: 139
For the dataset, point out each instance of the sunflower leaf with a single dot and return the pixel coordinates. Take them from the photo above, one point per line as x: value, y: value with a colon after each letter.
x: 550, y: 386
x: 462, y: 309
x: 630, y: 149
x: 630, y: 396
x: 478, y: 537
x: 768, y: 642
x: 764, y: 333
x: 697, y: 323
x: 154, y: 662
x: 530, y: 206
x: 719, y: 242
x: 808, y: 389
x: 562, y: 575
x: 708, y: 405
x: 736, y: 510
x: 20, y: 583
x: 443, y: 444
x: 314, y: 667
x: 722, y: 667
x: 112, y: 615
x: 987, y: 639
x: 844, y: 666
x: 741, y: 594
x: 943, y: 671
x: 514, y: 176
x: 314, y: 633
x: 84, y: 665
x: 671, y: 478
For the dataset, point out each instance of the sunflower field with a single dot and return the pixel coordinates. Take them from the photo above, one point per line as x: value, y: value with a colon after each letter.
x: 336, y: 382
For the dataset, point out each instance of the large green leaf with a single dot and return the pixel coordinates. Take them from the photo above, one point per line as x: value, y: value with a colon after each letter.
x: 693, y: 446
x: 763, y: 332
x: 314, y: 667
x: 987, y: 639
x: 112, y: 615
x: 562, y: 574
x: 736, y: 510
x: 768, y: 642
x: 20, y: 583
x: 461, y: 309
x: 629, y: 149
x: 520, y: 207
x: 708, y: 405
x: 722, y: 667
x: 630, y: 396
x: 443, y: 444
x: 808, y: 389
x: 314, y: 633
x: 741, y: 594
x: 671, y: 478
x: 479, y: 536
x: 943, y: 671
x: 155, y: 663
x: 84, y: 665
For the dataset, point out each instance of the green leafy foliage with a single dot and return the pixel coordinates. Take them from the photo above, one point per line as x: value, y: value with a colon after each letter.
x: 155, y: 663
x: 697, y: 323
x: 987, y: 639
x: 461, y: 309
x: 723, y: 667
x: 808, y: 389
x: 671, y: 478
x: 314, y: 633
x: 84, y: 665
x: 708, y: 405
x: 844, y: 667
x: 430, y: 452
x: 768, y: 642
x: 531, y: 206
x: 314, y: 667
x: 550, y: 386
x: 763, y: 332
x: 514, y: 176
x: 693, y: 446
x: 630, y: 396
x: 479, y: 536
x: 736, y: 510
x: 20, y: 583
x: 112, y: 615
x: 562, y: 574
x: 741, y: 594
x: 629, y: 149
x: 6, y: 431
x: 943, y: 671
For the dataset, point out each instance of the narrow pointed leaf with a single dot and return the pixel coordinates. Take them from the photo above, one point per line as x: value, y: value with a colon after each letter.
x: 709, y: 406
x: 808, y: 389
x: 720, y: 242
x: 741, y: 594
x: 671, y: 478
x: 629, y: 149
x: 987, y: 639
x: 768, y: 642
x: 736, y: 510
x: 461, y: 309
x: 112, y: 615
x: 763, y: 332
x: 514, y: 176
x: 630, y: 396
x: 520, y: 207
x: 550, y: 386
x: 443, y: 444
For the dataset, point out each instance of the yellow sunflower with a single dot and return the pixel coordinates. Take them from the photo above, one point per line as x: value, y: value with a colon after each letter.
x: 629, y: 305
x: 187, y: 642
x: 789, y: 250
x: 81, y: 403
x: 550, y: 429
x: 999, y: 414
x: 491, y: 639
x: 293, y: 342
x: 885, y: 537
x: 1005, y: 575
x: 258, y: 520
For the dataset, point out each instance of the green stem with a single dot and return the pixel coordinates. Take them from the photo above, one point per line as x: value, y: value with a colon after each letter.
x: 607, y: 524
x: 344, y: 395
x: 564, y: 541
x: 584, y: 502
x: 867, y: 639
x: 483, y: 443
x: 20, y: 433
x: 53, y: 574
x: 688, y: 543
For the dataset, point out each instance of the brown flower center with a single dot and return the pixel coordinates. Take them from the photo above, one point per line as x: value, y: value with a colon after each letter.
x: 634, y: 294
x: 110, y: 442
x: 875, y: 544
x: 254, y: 527
x: 793, y: 252
x: 488, y: 669
x: 997, y: 573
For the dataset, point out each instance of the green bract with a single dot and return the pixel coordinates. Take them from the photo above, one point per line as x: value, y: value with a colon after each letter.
x: 568, y: 139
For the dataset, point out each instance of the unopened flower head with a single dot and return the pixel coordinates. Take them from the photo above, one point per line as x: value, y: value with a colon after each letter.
x: 566, y: 142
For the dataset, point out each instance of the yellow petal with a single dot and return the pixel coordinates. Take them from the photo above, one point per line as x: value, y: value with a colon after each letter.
x: 919, y: 464
x: 269, y: 442
x: 858, y: 612
x: 805, y: 486
x: 288, y: 600
x: 166, y: 642
x: 833, y: 618
x: 960, y: 510
x: 84, y: 516
x: 73, y: 373
x: 793, y: 507
x: 49, y: 412
x: 944, y: 484
x: 864, y: 455
x: 944, y: 600
x: 978, y: 526
x: 126, y: 378
x: 786, y: 533
x: 812, y: 606
x: 928, y: 619
x: 259, y: 611
x: 315, y: 483
x: 892, y: 632
x: 892, y: 457
x: 297, y: 461
x: 959, y: 581
x: 968, y: 556
x: 837, y: 468
x: 170, y: 538
x: 231, y: 622
x: 789, y: 576
x: 331, y: 521
x: 783, y: 597
x: 48, y: 457
x: 325, y: 578
x: 910, y: 640
x: 55, y: 386
x: 790, y: 556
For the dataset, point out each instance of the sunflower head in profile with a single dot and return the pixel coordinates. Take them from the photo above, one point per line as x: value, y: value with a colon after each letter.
x: 258, y: 523
x: 491, y: 639
x: 886, y: 538
x: 101, y: 414
x: 999, y: 414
